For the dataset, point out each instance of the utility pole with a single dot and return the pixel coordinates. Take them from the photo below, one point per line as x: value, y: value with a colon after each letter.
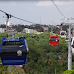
x: 69, y: 50
x: 55, y: 70
x: 69, y: 46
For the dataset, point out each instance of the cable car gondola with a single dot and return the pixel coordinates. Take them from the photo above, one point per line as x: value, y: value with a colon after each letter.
x: 54, y: 40
x: 13, y: 51
x: 72, y: 45
x: 63, y: 34
x: 67, y: 39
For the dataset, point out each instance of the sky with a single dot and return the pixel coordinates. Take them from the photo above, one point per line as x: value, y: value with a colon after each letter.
x: 38, y: 11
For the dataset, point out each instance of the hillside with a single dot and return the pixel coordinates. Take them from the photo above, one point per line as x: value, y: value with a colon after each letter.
x: 42, y: 58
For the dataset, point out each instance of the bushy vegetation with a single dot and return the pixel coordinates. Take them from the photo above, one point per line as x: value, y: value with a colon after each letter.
x: 69, y: 72
x: 42, y: 58
x: 3, y: 69
x: 17, y: 72
x: 20, y: 28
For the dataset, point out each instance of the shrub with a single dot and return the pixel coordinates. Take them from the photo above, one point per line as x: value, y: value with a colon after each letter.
x: 69, y: 72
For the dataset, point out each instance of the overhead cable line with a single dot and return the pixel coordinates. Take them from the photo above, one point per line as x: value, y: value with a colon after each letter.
x: 58, y: 8
x: 3, y: 11
x: 21, y: 19
x: 16, y: 17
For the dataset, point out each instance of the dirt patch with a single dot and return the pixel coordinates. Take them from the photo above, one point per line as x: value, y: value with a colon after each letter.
x: 15, y: 68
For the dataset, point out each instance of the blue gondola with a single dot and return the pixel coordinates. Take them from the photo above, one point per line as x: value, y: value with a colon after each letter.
x: 13, y: 51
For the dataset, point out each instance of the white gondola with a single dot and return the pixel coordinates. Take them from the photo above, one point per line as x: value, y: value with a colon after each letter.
x: 67, y: 39
x: 72, y: 45
x: 63, y: 34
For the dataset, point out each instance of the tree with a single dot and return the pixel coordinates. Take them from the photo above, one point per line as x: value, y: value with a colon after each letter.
x: 19, y: 29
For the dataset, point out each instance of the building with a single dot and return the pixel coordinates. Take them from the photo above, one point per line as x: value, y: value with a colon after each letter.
x: 45, y: 29
x: 58, y: 26
x: 34, y: 31
x: 37, y: 30
x: 2, y: 30
x: 26, y: 30
x: 9, y: 24
x: 12, y: 31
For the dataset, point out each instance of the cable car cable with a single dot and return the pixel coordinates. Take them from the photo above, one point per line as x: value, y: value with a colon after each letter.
x: 16, y: 17
x: 22, y: 19
x: 3, y: 11
x: 58, y: 9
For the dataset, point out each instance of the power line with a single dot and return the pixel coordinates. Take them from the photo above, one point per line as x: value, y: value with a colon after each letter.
x: 22, y: 19
x: 16, y: 17
x: 58, y: 9
x: 3, y: 11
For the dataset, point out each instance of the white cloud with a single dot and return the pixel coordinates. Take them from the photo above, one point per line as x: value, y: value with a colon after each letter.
x: 13, y: 2
x: 44, y: 3
x: 31, y: 8
x: 49, y: 3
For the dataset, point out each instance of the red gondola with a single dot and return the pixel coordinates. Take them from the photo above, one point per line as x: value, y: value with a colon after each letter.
x: 54, y: 40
